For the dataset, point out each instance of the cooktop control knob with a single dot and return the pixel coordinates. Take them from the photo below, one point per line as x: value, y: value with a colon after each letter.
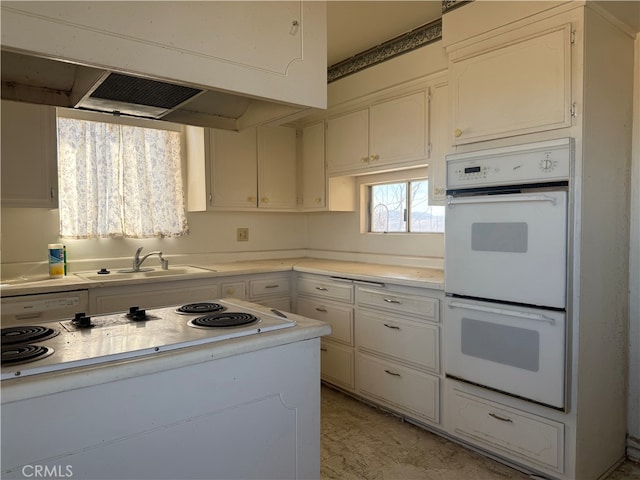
x: 137, y: 314
x: 82, y: 321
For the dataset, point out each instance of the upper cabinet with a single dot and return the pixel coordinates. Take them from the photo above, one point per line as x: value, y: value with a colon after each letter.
x: 246, y: 170
x: 29, y: 156
x: 318, y: 191
x: 267, y: 50
x: 390, y: 133
x: 511, y: 84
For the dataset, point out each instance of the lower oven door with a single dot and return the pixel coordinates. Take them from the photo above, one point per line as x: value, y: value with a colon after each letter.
x: 516, y: 350
x: 508, y: 247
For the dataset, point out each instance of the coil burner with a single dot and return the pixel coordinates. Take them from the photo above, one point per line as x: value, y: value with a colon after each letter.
x: 224, y: 320
x: 199, y: 308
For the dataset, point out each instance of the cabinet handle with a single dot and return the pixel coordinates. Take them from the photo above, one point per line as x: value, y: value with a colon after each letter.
x: 321, y: 309
x: 322, y: 289
x: 251, y: 199
x: 230, y: 291
x: 502, y: 419
x: 390, y: 300
x: 364, y: 160
x: 265, y: 200
x: 373, y: 158
x: 393, y: 373
x: 318, y: 199
x: 457, y: 132
x: 272, y: 286
x: 322, y: 349
x: 393, y: 327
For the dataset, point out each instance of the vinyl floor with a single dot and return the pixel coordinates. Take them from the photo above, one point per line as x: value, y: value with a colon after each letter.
x: 360, y: 442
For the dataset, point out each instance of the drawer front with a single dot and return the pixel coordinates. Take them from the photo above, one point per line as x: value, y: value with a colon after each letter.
x: 404, y: 340
x: 326, y: 289
x: 337, y: 365
x: 234, y: 290
x: 424, y: 307
x: 414, y: 392
x: 280, y: 303
x: 519, y: 435
x: 269, y: 286
x: 340, y: 317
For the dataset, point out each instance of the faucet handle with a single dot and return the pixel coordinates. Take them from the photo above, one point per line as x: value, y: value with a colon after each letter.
x: 164, y: 262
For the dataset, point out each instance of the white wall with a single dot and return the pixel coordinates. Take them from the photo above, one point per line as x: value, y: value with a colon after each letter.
x: 27, y: 231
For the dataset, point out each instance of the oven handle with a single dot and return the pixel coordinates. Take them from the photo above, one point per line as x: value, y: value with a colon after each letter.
x: 501, y: 311
x: 501, y: 199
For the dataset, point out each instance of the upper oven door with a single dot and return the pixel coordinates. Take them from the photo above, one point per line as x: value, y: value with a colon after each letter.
x: 508, y: 247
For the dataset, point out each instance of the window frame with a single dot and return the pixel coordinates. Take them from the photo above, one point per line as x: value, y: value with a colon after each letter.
x: 402, y: 176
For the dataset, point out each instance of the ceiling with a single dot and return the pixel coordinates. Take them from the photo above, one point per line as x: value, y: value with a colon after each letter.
x: 356, y: 26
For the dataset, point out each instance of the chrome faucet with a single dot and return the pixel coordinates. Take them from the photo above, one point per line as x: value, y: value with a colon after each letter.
x: 137, y: 260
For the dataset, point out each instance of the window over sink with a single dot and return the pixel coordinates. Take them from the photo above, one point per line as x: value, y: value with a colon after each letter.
x: 119, y: 177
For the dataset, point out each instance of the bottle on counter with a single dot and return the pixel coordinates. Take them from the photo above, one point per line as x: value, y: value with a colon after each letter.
x: 56, y: 260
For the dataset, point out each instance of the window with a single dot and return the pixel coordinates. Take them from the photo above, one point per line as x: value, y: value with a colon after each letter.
x: 403, y: 207
x: 119, y: 179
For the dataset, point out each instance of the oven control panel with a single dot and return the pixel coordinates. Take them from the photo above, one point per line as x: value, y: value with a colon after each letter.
x: 531, y: 163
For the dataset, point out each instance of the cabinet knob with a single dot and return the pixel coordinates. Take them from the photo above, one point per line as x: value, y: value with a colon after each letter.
x: 373, y: 158
x: 457, y: 132
x: 230, y: 291
x: 318, y: 199
x: 364, y: 160
x: 251, y: 199
x: 264, y: 199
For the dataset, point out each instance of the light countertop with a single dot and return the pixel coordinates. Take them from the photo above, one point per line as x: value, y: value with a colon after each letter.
x: 400, y: 275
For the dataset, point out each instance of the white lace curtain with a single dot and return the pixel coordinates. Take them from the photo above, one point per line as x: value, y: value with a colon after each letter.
x: 119, y: 180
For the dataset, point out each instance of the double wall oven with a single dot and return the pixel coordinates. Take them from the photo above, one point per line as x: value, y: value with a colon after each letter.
x: 506, y: 263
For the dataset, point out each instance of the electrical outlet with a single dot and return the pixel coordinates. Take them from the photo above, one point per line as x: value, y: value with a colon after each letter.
x: 243, y: 234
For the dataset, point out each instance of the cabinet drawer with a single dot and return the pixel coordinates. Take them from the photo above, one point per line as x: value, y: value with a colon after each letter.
x: 326, y: 289
x: 234, y: 290
x: 280, y: 303
x: 408, y: 341
x: 414, y: 392
x: 340, y: 317
x: 336, y: 364
x: 510, y: 432
x: 269, y: 286
x: 424, y: 307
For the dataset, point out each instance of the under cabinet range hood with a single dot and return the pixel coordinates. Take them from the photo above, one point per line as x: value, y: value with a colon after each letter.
x: 33, y: 79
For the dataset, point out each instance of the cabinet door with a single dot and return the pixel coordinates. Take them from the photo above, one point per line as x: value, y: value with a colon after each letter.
x: 348, y: 142
x: 277, y: 168
x: 398, y: 130
x: 233, y: 157
x: 522, y: 86
x: 440, y: 142
x: 313, y: 167
x: 29, y: 155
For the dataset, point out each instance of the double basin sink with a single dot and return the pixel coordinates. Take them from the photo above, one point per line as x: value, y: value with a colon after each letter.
x: 144, y: 273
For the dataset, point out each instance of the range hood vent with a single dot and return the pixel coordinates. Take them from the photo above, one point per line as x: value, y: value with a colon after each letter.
x: 136, y: 96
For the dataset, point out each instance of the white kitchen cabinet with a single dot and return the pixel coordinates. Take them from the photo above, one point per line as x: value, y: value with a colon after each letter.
x: 511, y: 84
x: 272, y: 290
x: 404, y: 390
x: 440, y: 141
x: 320, y: 192
x: 534, y: 440
x: 388, y: 134
x: 331, y: 300
x: 277, y: 183
x: 165, y: 294
x: 250, y: 169
x: 29, y: 155
x: 265, y: 50
x: 398, y: 349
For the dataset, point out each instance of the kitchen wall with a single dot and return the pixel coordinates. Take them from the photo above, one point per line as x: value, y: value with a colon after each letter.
x: 27, y: 231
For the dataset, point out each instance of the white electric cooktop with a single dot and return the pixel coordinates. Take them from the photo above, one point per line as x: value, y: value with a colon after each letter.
x: 107, y: 338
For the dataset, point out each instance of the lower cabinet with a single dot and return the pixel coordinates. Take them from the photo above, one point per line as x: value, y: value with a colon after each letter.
x: 521, y: 436
x: 404, y: 389
x: 384, y: 345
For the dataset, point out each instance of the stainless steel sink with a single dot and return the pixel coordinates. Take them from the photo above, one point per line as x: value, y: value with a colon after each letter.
x: 155, y: 273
